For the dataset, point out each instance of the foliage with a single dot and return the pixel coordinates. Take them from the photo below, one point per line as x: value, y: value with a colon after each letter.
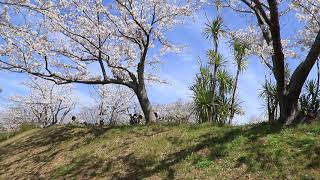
x: 214, y: 88
x: 203, y: 96
x: 223, y: 98
x: 264, y: 41
x: 270, y: 100
x: 310, y: 100
x: 209, y: 106
x: 213, y: 30
x: 240, y: 54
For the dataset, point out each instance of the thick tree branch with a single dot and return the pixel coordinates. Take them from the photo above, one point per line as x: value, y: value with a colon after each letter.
x: 300, y: 75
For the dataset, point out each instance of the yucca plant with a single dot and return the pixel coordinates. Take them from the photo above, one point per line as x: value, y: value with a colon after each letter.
x: 223, y: 108
x: 225, y: 81
x: 217, y: 61
x: 213, y: 31
x: 213, y: 85
x: 207, y: 106
x: 310, y: 100
x: 239, y: 51
x: 203, y: 96
x: 269, y: 96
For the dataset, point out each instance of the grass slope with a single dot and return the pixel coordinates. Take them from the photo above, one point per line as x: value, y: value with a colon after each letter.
x: 163, y: 152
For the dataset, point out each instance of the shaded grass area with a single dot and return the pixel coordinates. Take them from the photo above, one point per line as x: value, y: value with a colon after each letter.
x: 163, y: 152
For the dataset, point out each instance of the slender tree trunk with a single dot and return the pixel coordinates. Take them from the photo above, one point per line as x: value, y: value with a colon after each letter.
x: 318, y: 76
x: 214, y: 79
x: 215, y: 66
x: 234, y: 96
x: 145, y: 104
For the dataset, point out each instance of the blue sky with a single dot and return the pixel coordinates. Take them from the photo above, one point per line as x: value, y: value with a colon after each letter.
x: 179, y: 69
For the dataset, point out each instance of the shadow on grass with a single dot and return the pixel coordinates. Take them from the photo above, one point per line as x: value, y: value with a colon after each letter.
x: 48, y: 140
x: 139, y: 168
x: 84, y: 165
x: 143, y: 168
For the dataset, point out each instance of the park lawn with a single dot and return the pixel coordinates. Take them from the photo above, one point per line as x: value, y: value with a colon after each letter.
x: 163, y: 151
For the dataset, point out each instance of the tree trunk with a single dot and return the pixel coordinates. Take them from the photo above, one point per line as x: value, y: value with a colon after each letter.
x: 291, y: 112
x: 215, y: 66
x: 234, y: 96
x: 145, y: 104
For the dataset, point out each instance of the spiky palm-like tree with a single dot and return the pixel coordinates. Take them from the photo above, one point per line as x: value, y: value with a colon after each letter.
x: 209, y: 107
x: 310, y: 100
x: 225, y: 81
x: 213, y: 31
x: 203, y: 96
x: 269, y: 96
x: 224, y: 85
x: 239, y: 51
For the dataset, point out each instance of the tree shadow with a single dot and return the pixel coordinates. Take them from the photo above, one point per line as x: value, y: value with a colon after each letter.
x: 129, y: 166
x: 85, y: 165
x: 47, y: 140
x: 144, y: 168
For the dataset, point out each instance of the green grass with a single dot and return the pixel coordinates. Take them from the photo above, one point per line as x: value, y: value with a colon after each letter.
x: 22, y: 128
x: 163, y: 152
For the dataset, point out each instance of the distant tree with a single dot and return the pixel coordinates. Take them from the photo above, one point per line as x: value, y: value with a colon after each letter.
x: 88, y: 113
x: 113, y: 103
x: 176, y: 112
x: 45, y: 103
x: 13, y: 116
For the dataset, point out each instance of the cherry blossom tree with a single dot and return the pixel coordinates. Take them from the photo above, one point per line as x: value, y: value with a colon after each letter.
x: 177, y: 112
x: 12, y: 116
x: 46, y: 103
x: 88, y: 114
x: 114, y: 103
x: 266, y: 39
x: 90, y: 41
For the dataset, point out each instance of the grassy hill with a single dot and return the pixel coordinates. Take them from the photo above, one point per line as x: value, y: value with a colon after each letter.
x: 163, y: 152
